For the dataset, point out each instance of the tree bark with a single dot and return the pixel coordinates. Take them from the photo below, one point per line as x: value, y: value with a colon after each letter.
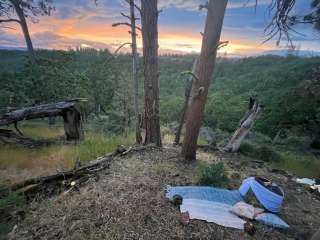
x: 186, y: 103
x: 210, y: 43
x: 72, y: 124
x: 24, y: 27
x: 246, y: 123
x: 135, y: 72
x: 149, y: 20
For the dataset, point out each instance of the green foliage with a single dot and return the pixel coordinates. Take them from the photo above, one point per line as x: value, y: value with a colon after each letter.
x: 287, y: 86
x: 247, y: 148
x: 267, y: 154
x: 171, y: 109
x: 11, y: 200
x: 214, y: 175
x: 262, y: 152
x: 8, y: 202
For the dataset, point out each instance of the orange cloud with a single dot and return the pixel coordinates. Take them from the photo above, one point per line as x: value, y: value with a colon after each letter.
x: 76, y: 31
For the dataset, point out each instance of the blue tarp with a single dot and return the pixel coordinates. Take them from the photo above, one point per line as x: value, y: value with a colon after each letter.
x: 220, y: 195
x: 267, y: 198
x: 271, y: 220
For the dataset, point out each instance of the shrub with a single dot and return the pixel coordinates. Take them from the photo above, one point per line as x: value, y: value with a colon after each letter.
x: 9, y: 201
x: 214, y: 175
x: 247, y: 148
x: 267, y: 154
x: 263, y: 152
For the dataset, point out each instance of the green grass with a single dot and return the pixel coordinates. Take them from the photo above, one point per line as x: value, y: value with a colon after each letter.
x: 7, y: 203
x: 299, y: 163
x: 302, y: 165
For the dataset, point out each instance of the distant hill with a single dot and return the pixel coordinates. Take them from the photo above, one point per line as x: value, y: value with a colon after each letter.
x: 285, y: 53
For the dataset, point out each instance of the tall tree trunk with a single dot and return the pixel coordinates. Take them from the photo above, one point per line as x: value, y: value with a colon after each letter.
x: 210, y: 42
x: 24, y: 27
x: 149, y: 20
x: 135, y: 72
x: 246, y: 123
x: 187, y: 95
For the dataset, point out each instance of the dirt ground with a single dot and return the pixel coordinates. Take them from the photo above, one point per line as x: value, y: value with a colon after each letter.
x: 127, y: 202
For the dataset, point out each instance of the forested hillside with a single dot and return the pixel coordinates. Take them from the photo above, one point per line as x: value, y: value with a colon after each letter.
x: 288, y: 87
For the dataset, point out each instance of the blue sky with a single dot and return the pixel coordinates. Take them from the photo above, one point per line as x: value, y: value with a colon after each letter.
x: 82, y: 23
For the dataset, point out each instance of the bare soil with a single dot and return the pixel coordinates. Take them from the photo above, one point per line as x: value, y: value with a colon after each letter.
x: 128, y: 201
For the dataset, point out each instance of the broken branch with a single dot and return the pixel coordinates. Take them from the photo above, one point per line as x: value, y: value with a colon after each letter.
x: 190, y: 73
x: 125, y: 24
x: 121, y: 46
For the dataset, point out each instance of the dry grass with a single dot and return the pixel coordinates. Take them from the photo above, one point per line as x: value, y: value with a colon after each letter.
x: 18, y: 163
x: 127, y: 202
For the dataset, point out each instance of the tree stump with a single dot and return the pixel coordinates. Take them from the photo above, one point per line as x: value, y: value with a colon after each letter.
x: 246, y: 123
x: 72, y: 124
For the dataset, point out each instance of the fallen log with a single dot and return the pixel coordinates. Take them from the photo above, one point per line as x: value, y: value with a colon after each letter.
x: 67, y: 109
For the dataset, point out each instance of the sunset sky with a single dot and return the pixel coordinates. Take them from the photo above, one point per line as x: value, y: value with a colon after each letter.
x: 77, y: 23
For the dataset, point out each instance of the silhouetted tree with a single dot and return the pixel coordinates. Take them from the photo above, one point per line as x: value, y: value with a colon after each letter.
x: 18, y: 11
x: 284, y: 18
x: 133, y: 27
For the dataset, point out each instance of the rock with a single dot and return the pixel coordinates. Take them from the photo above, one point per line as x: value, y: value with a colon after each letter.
x: 177, y: 200
x: 207, y: 134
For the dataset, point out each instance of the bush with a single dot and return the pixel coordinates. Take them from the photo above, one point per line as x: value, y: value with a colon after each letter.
x: 263, y: 152
x: 214, y: 175
x: 267, y: 154
x: 246, y: 148
x: 9, y: 201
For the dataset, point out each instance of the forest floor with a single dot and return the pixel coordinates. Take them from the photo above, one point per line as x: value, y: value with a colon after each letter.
x: 127, y: 201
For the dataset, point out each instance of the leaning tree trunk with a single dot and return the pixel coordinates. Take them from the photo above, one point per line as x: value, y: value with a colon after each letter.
x: 135, y: 72
x: 186, y: 103
x: 149, y: 21
x: 24, y: 27
x: 246, y: 123
x: 210, y: 42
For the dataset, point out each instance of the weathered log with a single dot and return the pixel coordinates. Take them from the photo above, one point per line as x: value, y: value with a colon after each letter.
x: 41, y: 111
x: 246, y: 123
x: 67, y: 109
